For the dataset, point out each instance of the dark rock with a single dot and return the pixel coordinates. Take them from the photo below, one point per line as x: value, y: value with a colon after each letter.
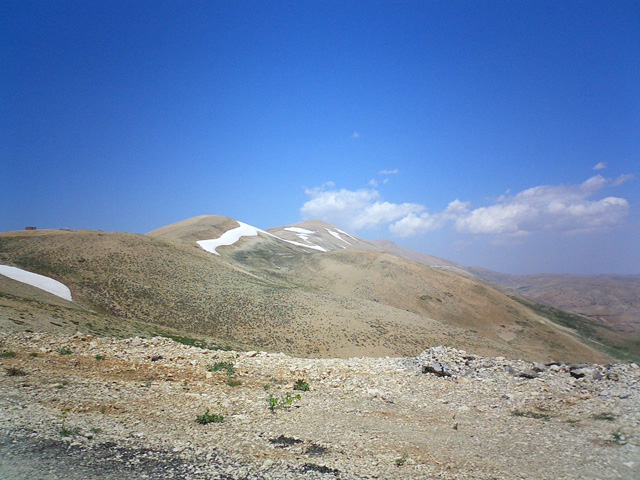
x: 528, y: 374
x: 580, y: 372
x: 437, y: 369
x: 539, y: 368
x: 312, y: 467
x: 284, y: 442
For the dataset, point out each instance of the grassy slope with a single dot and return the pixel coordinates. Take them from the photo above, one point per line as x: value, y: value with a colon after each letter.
x: 619, y: 346
x: 264, y: 294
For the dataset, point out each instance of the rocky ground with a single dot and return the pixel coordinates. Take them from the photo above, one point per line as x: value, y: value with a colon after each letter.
x: 90, y: 407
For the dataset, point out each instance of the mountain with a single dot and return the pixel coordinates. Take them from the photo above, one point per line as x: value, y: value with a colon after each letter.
x: 231, y: 284
x: 423, y: 258
x: 322, y: 235
x: 610, y: 300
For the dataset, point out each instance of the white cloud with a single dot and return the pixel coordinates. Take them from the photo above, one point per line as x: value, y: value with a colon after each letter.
x: 354, y: 209
x: 389, y: 172
x: 563, y: 208
x: 355, y: 135
x: 545, y: 208
x: 414, y: 224
x: 373, y: 182
x: 385, y: 181
x: 600, y: 166
x: 623, y: 178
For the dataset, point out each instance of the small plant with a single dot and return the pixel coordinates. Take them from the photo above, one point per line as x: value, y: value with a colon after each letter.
x: 284, y: 401
x: 401, y: 461
x: 33, y: 354
x: 15, y: 372
x: 266, y: 387
x: 232, y: 382
x: 607, y: 416
x: 64, y: 431
x: 99, y: 357
x: 301, y: 385
x: 7, y: 354
x: 69, y: 432
x: 95, y: 430
x: 207, y: 417
x: 64, y: 351
x: 617, y: 438
x: 226, y: 366
x: 529, y: 414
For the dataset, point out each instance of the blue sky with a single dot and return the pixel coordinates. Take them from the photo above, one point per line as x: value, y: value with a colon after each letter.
x: 127, y: 116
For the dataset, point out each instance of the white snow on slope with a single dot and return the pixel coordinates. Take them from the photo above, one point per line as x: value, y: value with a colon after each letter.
x: 229, y: 237
x: 39, y: 281
x: 299, y: 230
x: 244, y: 230
x: 347, y: 234
x: 303, y: 236
x: 337, y: 235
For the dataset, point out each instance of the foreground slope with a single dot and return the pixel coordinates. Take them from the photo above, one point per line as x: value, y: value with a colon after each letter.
x: 132, y: 414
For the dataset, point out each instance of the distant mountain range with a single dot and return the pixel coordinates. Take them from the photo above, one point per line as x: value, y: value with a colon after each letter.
x: 308, y: 289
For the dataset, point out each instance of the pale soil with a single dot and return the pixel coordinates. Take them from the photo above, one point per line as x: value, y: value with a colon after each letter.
x: 360, y: 418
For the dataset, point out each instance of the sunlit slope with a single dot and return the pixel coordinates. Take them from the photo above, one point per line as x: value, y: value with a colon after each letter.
x: 267, y: 294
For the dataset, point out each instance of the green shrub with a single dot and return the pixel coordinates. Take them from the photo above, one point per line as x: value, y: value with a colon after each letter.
x: 226, y: 366
x: 401, y: 461
x: 284, y: 401
x: 301, y: 385
x: 207, y: 417
x: 64, y: 351
x: 7, y: 354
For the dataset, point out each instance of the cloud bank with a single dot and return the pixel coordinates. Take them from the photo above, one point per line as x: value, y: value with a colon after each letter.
x: 546, y: 208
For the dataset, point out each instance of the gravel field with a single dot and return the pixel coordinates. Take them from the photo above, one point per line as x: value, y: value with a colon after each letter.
x: 92, y: 407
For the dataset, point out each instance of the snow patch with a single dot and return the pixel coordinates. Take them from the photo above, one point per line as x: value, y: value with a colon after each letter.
x: 299, y: 230
x: 229, y: 237
x: 347, y: 234
x: 244, y: 230
x: 303, y: 236
x: 39, y: 281
x: 337, y: 235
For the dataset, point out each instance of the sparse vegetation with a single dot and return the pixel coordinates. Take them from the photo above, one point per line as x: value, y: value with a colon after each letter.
x: 64, y: 351
x: 606, y: 416
x: 99, y: 357
x: 232, y: 382
x: 301, y: 385
x: 530, y: 414
x: 617, y: 438
x: 401, y: 461
x: 15, y: 372
x: 7, y: 354
x: 66, y: 431
x: 285, y: 401
x: 207, y: 417
x: 226, y: 366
